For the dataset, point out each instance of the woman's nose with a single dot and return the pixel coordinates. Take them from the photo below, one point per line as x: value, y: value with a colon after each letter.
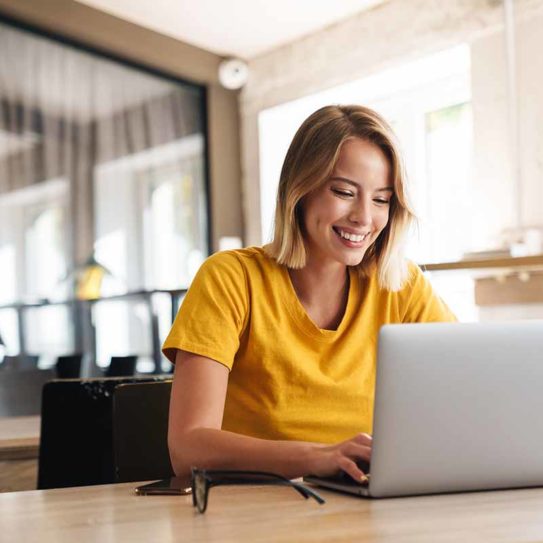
x: 361, y: 214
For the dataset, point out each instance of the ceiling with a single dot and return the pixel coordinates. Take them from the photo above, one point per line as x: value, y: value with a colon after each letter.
x: 241, y: 28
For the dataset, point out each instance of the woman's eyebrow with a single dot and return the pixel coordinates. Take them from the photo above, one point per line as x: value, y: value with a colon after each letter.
x: 344, y: 179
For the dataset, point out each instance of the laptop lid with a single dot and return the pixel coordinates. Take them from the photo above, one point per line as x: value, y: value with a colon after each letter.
x: 458, y: 408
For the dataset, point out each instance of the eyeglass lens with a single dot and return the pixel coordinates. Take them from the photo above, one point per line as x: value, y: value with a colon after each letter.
x: 200, y: 492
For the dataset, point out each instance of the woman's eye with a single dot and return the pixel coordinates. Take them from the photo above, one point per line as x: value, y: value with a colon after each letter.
x: 381, y: 201
x: 345, y: 193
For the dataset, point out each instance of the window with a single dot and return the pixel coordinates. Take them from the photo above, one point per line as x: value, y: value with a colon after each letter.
x: 98, y: 159
x: 33, y: 260
x: 45, y: 249
x: 151, y: 233
x: 172, y: 205
x: 448, y: 188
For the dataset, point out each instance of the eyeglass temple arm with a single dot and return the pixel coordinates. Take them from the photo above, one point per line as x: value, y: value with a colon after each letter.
x: 235, y: 477
x: 304, y: 491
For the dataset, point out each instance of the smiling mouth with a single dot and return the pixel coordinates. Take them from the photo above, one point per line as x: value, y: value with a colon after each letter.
x: 350, y: 240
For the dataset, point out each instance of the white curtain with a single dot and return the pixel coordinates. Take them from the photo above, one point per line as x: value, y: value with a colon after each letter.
x: 66, y: 114
x: 97, y: 158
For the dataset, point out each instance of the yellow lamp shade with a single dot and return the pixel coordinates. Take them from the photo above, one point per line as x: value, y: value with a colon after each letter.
x: 90, y: 282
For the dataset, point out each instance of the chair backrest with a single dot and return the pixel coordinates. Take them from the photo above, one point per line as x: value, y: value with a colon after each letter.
x: 140, y: 431
x: 121, y: 366
x: 76, y: 441
x: 21, y: 391
x: 69, y: 366
x: 20, y: 362
x: 10, y: 363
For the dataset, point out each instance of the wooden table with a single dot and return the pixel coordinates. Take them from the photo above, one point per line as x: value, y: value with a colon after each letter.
x: 113, y: 513
x: 19, y: 451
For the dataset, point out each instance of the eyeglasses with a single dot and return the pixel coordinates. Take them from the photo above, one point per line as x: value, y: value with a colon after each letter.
x: 203, y: 480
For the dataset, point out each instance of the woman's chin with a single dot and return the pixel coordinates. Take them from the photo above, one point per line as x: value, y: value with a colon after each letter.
x: 353, y: 258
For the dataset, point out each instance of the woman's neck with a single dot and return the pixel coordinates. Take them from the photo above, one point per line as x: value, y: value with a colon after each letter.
x: 315, y: 284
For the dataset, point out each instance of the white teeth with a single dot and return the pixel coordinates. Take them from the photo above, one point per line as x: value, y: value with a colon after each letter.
x: 351, y: 237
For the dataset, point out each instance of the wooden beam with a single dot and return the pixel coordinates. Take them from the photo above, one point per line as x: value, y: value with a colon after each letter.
x: 535, y: 261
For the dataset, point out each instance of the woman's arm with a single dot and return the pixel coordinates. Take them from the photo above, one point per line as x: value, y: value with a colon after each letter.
x: 195, y: 437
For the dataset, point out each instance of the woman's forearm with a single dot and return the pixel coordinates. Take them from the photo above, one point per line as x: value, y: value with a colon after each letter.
x: 218, y: 449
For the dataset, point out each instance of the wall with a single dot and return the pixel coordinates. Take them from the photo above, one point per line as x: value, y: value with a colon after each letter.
x: 121, y: 38
x: 497, y: 195
x: 396, y: 32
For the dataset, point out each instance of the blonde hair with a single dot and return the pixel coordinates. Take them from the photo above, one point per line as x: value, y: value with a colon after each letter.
x: 309, y: 163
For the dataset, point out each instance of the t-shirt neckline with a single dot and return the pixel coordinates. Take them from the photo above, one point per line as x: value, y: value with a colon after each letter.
x: 304, y: 321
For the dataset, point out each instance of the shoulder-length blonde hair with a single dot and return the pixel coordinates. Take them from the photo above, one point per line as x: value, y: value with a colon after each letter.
x: 309, y: 163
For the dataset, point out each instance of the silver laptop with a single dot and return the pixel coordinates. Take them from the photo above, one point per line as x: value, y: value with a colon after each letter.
x: 458, y: 407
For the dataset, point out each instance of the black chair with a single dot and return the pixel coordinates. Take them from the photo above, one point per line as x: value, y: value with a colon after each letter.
x: 121, y: 366
x: 140, y: 431
x: 21, y: 391
x: 76, y: 441
x: 69, y: 366
x: 10, y: 363
x: 20, y: 362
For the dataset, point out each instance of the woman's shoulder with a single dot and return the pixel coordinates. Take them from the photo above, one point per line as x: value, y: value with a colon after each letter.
x: 414, y: 270
x: 414, y: 279
x: 247, y: 260
x: 412, y: 275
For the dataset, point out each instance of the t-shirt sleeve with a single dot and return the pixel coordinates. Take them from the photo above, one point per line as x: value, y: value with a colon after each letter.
x: 214, y: 312
x: 420, y: 303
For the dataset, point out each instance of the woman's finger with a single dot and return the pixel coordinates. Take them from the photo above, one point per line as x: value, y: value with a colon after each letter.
x: 355, y: 451
x: 350, y: 467
x: 363, y: 439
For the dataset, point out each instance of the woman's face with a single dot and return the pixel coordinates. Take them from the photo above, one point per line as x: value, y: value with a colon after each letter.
x: 346, y: 215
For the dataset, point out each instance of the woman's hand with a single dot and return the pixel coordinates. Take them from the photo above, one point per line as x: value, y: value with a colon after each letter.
x: 327, y: 460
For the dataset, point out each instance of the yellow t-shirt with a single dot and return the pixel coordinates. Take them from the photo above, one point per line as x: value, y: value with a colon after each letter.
x: 288, y: 378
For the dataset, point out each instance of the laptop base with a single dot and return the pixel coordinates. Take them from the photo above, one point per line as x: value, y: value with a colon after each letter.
x: 341, y: 485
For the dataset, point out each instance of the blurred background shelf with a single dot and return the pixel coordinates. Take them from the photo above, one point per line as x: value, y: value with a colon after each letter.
x: 513, y: 263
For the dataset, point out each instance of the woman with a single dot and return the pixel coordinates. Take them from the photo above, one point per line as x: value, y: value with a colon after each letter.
x: 275, y: 347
